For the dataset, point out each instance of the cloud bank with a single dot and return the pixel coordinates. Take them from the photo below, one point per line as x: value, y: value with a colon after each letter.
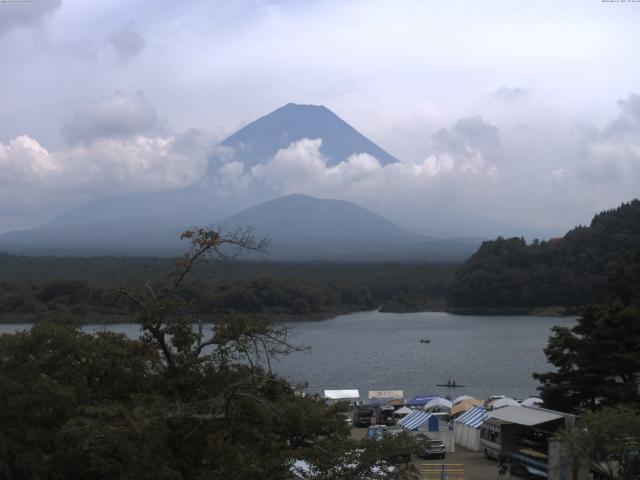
x: 22, y: 14
x: 467, y: 183
x: 118, y: 116
x: 607, y: 166
x: 480, y: 105
x: 117, y: 147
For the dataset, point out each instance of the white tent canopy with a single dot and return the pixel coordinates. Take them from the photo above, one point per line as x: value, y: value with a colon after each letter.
x: 341, y: 394
x: 532, y: 402
x: 403, y: 411
x: 462, y: 398
x: 505, y: 402
x: 438, y: 402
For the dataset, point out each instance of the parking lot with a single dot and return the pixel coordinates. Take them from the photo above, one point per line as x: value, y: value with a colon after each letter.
x: 474, y: 464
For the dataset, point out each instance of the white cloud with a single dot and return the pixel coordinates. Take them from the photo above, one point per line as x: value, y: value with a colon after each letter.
x: 230, y: 179
x: 408, y: 192
x: 118, y: 115
x: 301, y: 167
x: 16, y: 14
x: 33, y: 179
x: 397, y: 71
x: 23, y: 160
x: 470, y: 148
x: 137, y: 163
x: 607, y: 169
x: 511, y: 93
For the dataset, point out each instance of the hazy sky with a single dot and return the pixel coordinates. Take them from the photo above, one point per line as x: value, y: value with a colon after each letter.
x: 507, y: 115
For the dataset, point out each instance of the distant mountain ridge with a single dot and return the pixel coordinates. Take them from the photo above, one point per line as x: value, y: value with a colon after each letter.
x: 302, y: 227
x: 308, y: 220
x: 259, y: 141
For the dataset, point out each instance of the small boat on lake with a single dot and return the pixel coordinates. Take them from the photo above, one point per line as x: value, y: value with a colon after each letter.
x: 450, y: 384
x: 425, y: 340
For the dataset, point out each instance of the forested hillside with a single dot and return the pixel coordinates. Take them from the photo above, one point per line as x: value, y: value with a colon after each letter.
x: 581, y: 268
x: 32, y: 288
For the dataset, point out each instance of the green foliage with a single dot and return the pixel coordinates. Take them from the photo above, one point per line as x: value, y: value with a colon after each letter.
x: 48, y: 378
x: 180, y: 403
x: 609, y: 442
x: 597, y: 361
x: 33, y: 287
x: 368, y: 459
x: 572, y: 271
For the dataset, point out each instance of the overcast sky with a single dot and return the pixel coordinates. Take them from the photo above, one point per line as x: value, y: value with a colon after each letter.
x: 507, y: 115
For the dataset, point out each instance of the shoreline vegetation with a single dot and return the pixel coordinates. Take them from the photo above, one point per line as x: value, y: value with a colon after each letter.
x: 557, y: 277
x: 98, y: 319
x: 91, y: 288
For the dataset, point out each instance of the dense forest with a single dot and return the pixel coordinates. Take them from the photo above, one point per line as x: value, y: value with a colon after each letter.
x: 91, y: 288
x: 580, y: 268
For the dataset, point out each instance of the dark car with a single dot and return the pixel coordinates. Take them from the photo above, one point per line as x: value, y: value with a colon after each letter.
x: 426, y: 447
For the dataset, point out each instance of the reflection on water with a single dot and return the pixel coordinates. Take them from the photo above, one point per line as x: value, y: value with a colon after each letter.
x: 382, y: 351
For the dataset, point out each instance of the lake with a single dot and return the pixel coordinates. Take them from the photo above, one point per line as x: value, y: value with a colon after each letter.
x: 490, y: 355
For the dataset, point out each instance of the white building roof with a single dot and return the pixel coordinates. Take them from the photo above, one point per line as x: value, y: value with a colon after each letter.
x: 438, y: 402
x: 528, y: 416
x: 342, y: 394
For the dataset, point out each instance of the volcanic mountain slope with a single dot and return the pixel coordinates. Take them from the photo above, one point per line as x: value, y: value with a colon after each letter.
x: 301, y: 227
x: 256, y: 143
x: 259, y: 141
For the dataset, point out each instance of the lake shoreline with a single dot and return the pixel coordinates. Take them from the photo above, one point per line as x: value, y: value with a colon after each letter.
x: 96, y: 319
x: 381, y: 351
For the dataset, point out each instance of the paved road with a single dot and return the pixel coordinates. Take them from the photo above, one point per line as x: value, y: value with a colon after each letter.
x: 476, y: 466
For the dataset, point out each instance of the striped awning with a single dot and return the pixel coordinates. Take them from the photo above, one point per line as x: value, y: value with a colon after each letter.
x: 473, y: 418
x: 414, y: 420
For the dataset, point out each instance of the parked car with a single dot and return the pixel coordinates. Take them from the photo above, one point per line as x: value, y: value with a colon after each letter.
x: 376, y: 431
x: 426, y: 447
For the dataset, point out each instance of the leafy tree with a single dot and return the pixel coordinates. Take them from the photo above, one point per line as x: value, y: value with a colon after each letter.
x: 183, y: 402
x: 50, y: 376
x: 372, y: 459
x: 572, y: 271
x: 597, y: 361
x: 610, y: 442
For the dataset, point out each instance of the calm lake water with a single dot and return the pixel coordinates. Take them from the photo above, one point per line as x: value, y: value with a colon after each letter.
x: 382, y: 351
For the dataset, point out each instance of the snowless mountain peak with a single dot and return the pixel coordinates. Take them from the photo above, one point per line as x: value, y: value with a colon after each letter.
x: 259, y: 141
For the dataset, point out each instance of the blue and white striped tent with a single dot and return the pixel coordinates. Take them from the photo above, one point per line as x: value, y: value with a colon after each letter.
x: 466, y: 428
x: 417, y: 419
x: 473, y: 418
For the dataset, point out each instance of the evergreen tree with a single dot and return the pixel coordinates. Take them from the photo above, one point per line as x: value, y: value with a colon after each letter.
x: 597, y: 361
